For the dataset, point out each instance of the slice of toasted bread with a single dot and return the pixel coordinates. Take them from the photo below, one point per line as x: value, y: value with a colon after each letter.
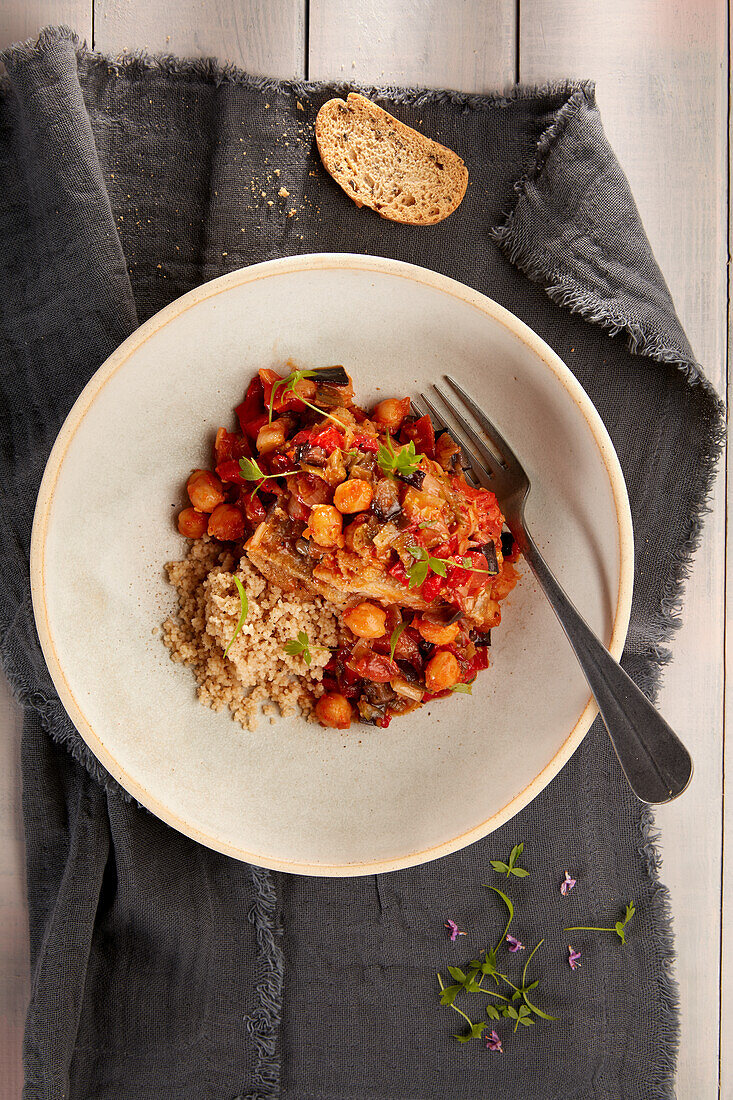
x: 381, y: 163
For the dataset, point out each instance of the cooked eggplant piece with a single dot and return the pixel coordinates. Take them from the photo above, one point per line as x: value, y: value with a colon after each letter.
x: 507, y: 543
x: 311, y: 456
x: 481, y: 639
x: 337, y: 376
x: 386, y: 502
x: 414, y: 479
x: 378, y: 694
x: 489, y: 552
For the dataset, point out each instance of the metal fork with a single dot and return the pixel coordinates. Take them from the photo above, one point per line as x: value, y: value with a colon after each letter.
x: 655, y: 762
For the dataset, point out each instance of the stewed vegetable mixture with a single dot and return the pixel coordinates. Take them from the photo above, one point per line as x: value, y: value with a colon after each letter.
x: 371, y: 511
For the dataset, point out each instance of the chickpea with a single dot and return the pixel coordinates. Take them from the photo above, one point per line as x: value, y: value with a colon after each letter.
x: 390, y: 413
x: 366, y: 620
x: 205, y: 490
x: 437, y: 633
x: 334, y: 710
x: 192, y: 524
x: 226, y: 522
x: 352, y: 496
x: 442, y: 671
x: 325, y: 525
x: 270, y: 436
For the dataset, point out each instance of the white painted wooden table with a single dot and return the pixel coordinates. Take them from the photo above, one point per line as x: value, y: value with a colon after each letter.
x: 661, y: 68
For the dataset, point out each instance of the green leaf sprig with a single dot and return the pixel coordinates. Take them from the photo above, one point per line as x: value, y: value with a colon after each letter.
x: 424, y: 562
x: 470, y: 982
x: 510, y: 868
x: 302, y: 644
x: 391, y: 461
x: 290, y: 382
x: 299, y: 645
x: 244, y: 605
x: 619, y: 927
x: 419, y: 569
x: 251, y: 470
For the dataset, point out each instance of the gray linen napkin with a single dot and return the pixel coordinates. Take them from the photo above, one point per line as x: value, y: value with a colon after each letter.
x: 161, y: 969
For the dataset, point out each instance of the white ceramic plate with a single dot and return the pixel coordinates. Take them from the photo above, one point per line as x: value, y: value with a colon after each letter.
x: 293, y: 796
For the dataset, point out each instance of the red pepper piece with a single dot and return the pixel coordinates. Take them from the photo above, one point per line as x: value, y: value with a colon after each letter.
x: 366, y: 442
x: 252, y: 427
x: 254, y: 510
x: 284, y: 398
x: 327, y: 438
x: 431, y: 586
x: 422, y: 433
x: 253, y: 404
x: 399, y: 573
x: 374, y: 666
x: 479, y: 661
x: 230, y: 471
x: 230, y: 445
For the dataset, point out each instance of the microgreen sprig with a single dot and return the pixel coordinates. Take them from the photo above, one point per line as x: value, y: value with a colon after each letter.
x: 510, y: 868
x: 290, y: 382
x: 516, y: 1006
x: 244, y: 605
x: 299, y: 645
x: 302, y: 644
x: 619, y: 927
x: 251, y: 470
x: 418, y: 571
x: 424, y: 562
x: 402, y: 461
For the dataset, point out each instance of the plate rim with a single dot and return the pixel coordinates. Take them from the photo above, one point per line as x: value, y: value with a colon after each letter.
x: 238, y: 277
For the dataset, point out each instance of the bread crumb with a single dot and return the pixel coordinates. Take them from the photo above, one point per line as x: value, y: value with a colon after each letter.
x: 277, y: 172
x: 299, y: 105
x: 292, y: 212
x: 270, y: 202
x: 283, y: 193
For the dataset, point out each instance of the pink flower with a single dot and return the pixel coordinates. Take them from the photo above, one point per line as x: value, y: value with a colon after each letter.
x: 493, y: 1042
x: 573, y: 958
x: 514, y: 945
x: 453, y: 929
x: 567, y: 885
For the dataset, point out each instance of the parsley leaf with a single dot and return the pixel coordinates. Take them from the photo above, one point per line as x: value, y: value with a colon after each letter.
x: 250, y: 470
x: 299, y: 645
x: 418, y: 571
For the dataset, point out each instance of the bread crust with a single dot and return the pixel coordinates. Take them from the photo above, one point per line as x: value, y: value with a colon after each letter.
x: 381, y: 163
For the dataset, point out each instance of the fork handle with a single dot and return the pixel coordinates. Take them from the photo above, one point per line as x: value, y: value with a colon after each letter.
x: 655, y: 762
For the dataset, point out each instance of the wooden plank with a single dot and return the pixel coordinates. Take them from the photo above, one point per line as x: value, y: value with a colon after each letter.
x: 265, y: 38
x: 21, y: 19
x: 14, y: 971
x: 431, y: 43
x: 661, y: 84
